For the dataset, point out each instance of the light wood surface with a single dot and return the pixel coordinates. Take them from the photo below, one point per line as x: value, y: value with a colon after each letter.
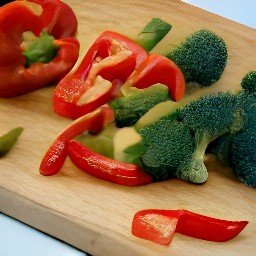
x: 96, y: 215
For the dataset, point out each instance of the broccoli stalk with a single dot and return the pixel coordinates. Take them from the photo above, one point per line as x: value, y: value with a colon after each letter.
x: 202, y: 57
x: 194, y: 169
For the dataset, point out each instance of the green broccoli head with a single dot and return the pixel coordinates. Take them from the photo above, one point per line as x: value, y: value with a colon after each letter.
x: 211, y: 115
x: 167, y: 144
x: 248, y: 82
x: 202, y: 57
x: 237, y: 147
x: 243, y: 156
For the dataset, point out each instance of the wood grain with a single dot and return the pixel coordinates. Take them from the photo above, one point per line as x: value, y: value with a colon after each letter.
x: 94, y: 215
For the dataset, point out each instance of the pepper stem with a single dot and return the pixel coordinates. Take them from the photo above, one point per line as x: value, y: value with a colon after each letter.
x: 154, y: 31
x: 38, y: 49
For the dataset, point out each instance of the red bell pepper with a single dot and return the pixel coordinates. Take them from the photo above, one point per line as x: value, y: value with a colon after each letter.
x: 57, y: 153
x: 159, y: 226
x: 105, y: 168
x: 37, y: 17
x: 114, y: 59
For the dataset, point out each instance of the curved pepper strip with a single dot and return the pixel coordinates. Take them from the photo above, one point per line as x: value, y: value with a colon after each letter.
x: 158, y: 69
x: 36, y: 16
x: 106, y: 168
x: 113, y: 57
x: 57, y: 152
x: 116, y: 59
x: 159, y: 226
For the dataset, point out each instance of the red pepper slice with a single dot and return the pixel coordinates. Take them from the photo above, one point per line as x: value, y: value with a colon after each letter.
x: 159, y: 69
x: 105, y: 168
x: 35, y: 16
x: 113, y: 57
x: 57, y: 153
x: 118, y: 60
x: 159, y: 226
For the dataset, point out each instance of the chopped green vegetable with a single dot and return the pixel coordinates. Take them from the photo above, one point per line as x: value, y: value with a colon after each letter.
x: 153, y: 33
x: 176, y: 144
x: 243, y: 156
x: 9, y: 139
x: 166, y: 145
x: 249, y: 82
x: 202, y: 57
x: 238, y: 148
x: 128, y: 110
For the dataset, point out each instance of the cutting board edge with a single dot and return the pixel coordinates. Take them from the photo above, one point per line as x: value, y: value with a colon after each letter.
x: 88, y: 238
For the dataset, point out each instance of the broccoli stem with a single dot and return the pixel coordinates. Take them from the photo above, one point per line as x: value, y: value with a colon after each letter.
x: 193, y: 169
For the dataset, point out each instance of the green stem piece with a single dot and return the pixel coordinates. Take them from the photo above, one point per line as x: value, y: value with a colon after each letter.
x: 40, y: 49
x: 155, y: 30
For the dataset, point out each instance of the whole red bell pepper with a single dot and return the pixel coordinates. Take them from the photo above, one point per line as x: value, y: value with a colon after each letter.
x: 93, y: 122
x: 106, y: 168
x: 159, y: 226
x: 27, y: 23
x: 113, y: 59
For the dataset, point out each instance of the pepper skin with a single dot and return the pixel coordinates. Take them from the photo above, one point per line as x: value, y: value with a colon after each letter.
x: 113, y: 57
x: 106, y: 168
x: 158, y: 69
x: 36, y: 16
x: 159, y: 226
x: 57, y: 152
x: 120, y: 62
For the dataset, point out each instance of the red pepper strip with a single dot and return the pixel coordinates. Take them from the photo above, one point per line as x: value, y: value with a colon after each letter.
x: 21, y: 16
x: 105, y: 168
x: 159, y: 226
x: 208, y: 228
x: 113, y: 57
x: 57, y: 153
x: 159, y: 69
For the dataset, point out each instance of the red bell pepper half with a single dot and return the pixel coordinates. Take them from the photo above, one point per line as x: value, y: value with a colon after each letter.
x: 159, y: 226
x: 57, y: 152
x: 36, y: 18
x: 105, y: 168
x: 113, y: 59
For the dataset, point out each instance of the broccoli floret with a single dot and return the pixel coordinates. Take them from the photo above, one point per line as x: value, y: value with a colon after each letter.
x: 209, y: 117
x: 128, y: 110
x: 242, y: 147
x: 237, y: 148
x: 243, y: 156
x: 175, y: 145
x: 167, y: 144
x: 248, y: 83
x: 202, y: 57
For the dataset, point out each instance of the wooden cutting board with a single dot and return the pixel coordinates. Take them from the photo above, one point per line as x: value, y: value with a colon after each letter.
x: 94, y: 215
